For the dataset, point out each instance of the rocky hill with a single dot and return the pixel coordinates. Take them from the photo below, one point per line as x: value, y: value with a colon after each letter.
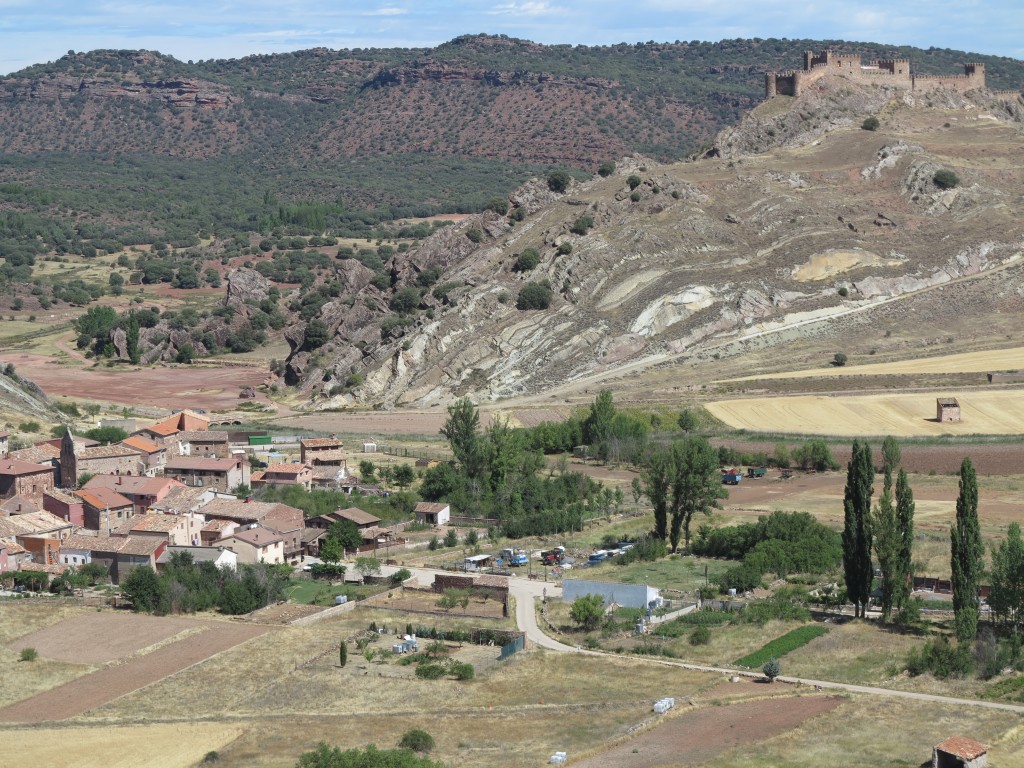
x: 800, y: 223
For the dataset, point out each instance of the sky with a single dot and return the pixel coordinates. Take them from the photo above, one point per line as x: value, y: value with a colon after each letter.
x: 37, y: 31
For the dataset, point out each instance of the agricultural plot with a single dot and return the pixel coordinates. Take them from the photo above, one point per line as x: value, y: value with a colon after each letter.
x: 985, y: 412
x: 966, y: 362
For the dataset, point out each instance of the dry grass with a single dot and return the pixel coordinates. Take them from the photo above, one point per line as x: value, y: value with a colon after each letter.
x: 871, y: 731
x: 156, y: 746
x: 985, y: 412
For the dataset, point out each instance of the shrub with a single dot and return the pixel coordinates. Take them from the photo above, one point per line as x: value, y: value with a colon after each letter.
x: 558, y: 181
x: 28, y: 654
x: 497, y: 204
x: 771, y: 669
x: 871, y: 124
x: 945, y: 179
x: 941, y: 658
x: 474, y: 234
x: 527, y: 260
x: 211, y: 757
x: 29, y: 426
x: 534, y: 296
x: 634, y: 181
x: 840, y: 359
x: 400, y: 575
x: 843, y: 291
x: 463, y: 670
x: 606, y: 169
x: 430, y: 671
x: 587, y: 611
x: 635, y: 197
x: 417, y: 740
x: 564, y: 249
x: 700, y: 636
x: 451, y: 538
x: 434, y: 544
x: 582, y: 224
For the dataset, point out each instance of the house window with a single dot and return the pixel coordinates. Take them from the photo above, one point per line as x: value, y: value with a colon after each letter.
x: 118, y: 514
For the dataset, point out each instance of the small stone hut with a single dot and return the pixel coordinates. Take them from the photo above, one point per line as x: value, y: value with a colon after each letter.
x: 959, y: 752
x: 947, y: 409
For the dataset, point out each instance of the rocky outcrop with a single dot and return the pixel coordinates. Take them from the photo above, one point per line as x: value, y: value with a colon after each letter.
x: 246, y: 285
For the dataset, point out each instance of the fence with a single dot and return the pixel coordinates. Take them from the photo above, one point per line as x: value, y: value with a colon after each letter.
x: 485, y: 522
x: 511, y: 649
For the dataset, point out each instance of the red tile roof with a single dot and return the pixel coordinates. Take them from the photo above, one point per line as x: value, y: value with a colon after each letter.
x: 962, y: 747
x: 286, y: 469
x: 133, y: 485
x: 357, y: 516
x: 17, y: 467
x: 200, y: 463
x: 142, y: 444
x: 258, y: 537
x: 103, y: 498
x: 321, y: 442
x: 429, y: 507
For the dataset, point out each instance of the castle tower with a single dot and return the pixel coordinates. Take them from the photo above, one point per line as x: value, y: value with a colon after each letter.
x: 976, y: 72
x: 769, y: 85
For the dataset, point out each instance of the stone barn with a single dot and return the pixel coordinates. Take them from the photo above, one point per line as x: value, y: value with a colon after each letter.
x: 959, y: 752
x: 947, y: 409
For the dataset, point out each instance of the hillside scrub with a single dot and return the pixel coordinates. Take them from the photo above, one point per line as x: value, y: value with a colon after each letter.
x: 534, y: 296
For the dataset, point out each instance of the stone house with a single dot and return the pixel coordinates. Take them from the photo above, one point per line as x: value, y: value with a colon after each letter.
x: 219, y: 556
x: 39, y: 533
x: 144, y: 492
x: 287, y: 474
x: 255, y: 545
x: 179, y: 530
x: 198, y: 472
x: 77, y: 460
x: 65, y: 506
x: 214, y: 530
x: 76, y: 549
x: 20, y: 478
x: 322, y: 451
x: 123, y: 554
x: 202, y: 442
x: 281, y: 518
x: 153, y: 456
x: 947, y: 409
x: 105, y: 509
x: 11, y: 555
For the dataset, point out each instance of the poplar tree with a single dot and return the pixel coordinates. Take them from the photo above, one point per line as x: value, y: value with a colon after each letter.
x: 696, y: 485
x: 905, y: 524
x: 657, y: 486
x: 966, y: 553
x: 886, y: 533
x: 857, y: 528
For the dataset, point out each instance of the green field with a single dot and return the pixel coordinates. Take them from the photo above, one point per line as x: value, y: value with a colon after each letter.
x: 780, y: 646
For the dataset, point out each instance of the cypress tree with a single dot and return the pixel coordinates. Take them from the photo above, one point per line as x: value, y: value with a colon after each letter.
x: 343, y: 654
x: 905, y: 524
x: 857, y: 527
x: 966, y: 553
x: 133, y: 340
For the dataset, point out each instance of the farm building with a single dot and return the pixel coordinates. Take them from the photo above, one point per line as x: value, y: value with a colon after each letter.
x: 433, y: 513
x: 625, y: 595
x: 959, y: 752
x: 947, y: 409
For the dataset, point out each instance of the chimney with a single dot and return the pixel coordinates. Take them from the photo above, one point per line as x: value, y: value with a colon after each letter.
x: 119, y: 480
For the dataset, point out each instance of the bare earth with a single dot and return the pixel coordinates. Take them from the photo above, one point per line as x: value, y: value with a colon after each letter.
x: 696, y: 737
x: 109, y: 683
x: 182, y: 387
x: 97, y: 638
x: 375, y: 423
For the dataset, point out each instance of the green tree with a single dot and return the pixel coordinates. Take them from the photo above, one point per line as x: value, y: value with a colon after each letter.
x: 367, y: 566
x: 587, y: 611
x: 144, y: 589
x: 1006, y: 598
x: 657, y: 479
x: 598, y: 424
x: 462, y: 428
x: 404, y: 475
x: 966, y: 553
x: 315, y: 335
x: 634, y: 181
x: 371, y: 757
x: 688, y: 421
x: 558, y: 181
x: 857, y: 527
x: 345, y: 535
x: 527, y: 260
x: 106, y: 435
x: 839, y: 359
x: 366, y: 470
x: 417, y: 740
x: 696, y: 485
x: 451, y: 538
x: 945, y: 179
x: 534, y: 296
x: 771, y: 669
x: 888, y: 543
x: 904, y: 577
x: 891, y: 453
x: 343, y: 654
x: 606, y: 168
x: 870, y: 124
x: 134, y: 354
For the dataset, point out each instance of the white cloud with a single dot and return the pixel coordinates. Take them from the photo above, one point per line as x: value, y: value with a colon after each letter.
x: 538, y: 8
x: 386, y: 12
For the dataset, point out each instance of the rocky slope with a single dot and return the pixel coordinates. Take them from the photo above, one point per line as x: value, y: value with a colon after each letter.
x: 830, y: 222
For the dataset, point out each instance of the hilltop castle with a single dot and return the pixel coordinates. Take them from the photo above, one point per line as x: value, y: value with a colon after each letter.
x: 895, y: 72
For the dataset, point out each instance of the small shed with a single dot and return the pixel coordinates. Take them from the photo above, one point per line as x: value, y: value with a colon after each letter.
x: 369, y: 446
x: 959, y: 752
x: 947, y: 409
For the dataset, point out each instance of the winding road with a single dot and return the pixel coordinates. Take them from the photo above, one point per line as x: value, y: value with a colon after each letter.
x: 526, y: 592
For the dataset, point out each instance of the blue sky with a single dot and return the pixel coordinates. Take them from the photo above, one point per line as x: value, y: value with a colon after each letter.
x: 35, y: 31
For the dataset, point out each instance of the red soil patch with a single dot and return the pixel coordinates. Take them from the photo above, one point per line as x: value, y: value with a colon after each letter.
x: 183, y: 387
x: 97, y: 638
x: 696, y: 737
x: 112, y: 682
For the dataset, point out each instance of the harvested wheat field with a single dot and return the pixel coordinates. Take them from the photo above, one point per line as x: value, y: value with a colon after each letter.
x: 965, y: 362
x: 174, y: 745
x: 692, y: 738
x: 985, y: 412
x: 114, y: 681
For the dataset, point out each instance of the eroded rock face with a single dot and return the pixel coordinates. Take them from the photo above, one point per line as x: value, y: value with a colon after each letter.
x: 246, y: 285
